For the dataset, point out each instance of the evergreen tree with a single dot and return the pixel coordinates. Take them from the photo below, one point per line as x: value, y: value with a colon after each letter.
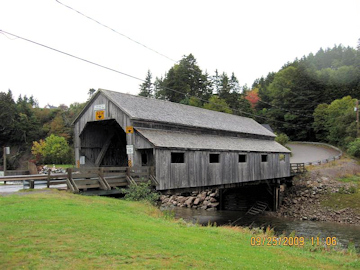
x: 147, y: 88
x: 91, y: 92
x: 7, y: 117
x: 184, y: 80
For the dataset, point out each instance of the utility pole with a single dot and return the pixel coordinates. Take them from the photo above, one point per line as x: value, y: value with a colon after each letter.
x: 4, y: 159
x: 357, y: 118
x: 6, y: 152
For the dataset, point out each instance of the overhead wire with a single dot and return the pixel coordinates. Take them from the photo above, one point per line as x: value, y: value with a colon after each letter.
x: 139, y: 43
x: 291, y: 111
x: 136, y: 78
x: 71, y: 55
x: 7, y: 36
x: 115, y: 31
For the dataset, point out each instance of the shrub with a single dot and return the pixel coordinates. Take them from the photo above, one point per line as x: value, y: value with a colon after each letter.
x: 141, y: 192
x: 54, y: 149
x: 354, y: 148
x: 282, y: 138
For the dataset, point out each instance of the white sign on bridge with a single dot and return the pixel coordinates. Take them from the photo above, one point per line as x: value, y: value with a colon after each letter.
x: 130, y: 149
x: 99, y: 107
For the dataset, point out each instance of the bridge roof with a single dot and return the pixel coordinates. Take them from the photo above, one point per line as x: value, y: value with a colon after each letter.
x: 151, y: 109
x: 182, y: 140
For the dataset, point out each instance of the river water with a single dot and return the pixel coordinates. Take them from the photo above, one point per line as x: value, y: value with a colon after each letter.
x: 343, y: 232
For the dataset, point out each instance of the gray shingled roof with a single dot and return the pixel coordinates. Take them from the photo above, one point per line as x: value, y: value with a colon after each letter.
x: 164, y: 111
x: 173, y: 139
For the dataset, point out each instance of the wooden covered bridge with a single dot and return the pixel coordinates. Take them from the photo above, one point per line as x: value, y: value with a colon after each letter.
x: 188, y: 147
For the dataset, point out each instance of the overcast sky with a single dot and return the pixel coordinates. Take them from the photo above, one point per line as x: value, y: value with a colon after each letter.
x: 249, y: 38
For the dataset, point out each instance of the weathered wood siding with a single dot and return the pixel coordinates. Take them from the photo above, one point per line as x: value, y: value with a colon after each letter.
x: 197, y: 171
x: 111, y: 112
x: 89, y: 139
x: 90, y: 142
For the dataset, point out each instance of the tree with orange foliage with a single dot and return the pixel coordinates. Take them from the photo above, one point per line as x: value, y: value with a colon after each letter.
x: 253, y: 97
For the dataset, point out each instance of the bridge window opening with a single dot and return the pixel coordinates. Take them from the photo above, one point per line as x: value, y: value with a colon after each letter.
x: 281, y: 157
x: 177, y: 158
x: 144, y: 159
x: 242, y: 158
x: 214, y: 158
x: 264, y: 158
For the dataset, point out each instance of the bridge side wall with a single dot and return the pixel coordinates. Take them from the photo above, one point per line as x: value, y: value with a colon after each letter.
x: 197, y: 171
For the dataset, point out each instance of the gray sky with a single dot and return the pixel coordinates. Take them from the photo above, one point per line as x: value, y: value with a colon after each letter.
x: 249, y: 38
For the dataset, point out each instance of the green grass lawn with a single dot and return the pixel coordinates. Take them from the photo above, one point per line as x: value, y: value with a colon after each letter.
x: 64, y: 166
x: 60, y: 230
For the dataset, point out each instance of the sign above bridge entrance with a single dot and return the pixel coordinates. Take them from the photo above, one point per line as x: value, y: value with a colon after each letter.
x: 99, y: 115
x: 99, y: 107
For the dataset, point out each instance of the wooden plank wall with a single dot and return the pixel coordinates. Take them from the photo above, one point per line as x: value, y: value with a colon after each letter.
x: 90, y: 144
x: 111, y: 112
x: 197, y: 171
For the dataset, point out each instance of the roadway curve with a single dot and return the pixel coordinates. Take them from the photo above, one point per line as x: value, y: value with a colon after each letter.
x: 307, y: 152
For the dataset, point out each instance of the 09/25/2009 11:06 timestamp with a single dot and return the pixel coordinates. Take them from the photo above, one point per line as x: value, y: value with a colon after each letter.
x: 291, y: 241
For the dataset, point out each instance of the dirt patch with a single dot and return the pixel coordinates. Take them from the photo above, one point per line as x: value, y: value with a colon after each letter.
x: 304, y: 199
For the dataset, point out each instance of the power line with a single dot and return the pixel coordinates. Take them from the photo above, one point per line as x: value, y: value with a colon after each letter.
x: 112, y: 29
x: 139, y: 43
x: 71, y: 55
x: 7, y: 36
x: 136, y: 78
x: 291, y: 111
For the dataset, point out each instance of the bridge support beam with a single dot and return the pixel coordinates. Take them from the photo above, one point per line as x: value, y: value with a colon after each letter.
x: 276, y: 197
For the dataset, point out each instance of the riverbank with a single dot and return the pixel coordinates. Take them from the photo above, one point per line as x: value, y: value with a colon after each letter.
x: 60, y: 230
x: 329, y: 192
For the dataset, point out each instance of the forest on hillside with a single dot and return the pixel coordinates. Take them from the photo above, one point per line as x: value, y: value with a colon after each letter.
x: 308, y: 99
x: 25, y: 127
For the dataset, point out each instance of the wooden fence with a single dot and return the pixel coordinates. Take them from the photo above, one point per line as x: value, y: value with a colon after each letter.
x: 297, y: 168
x: 97, y: 180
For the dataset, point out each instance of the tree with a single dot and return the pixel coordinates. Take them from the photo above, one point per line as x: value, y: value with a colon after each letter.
x: 253, y: 97
x: 37, y: 150
x: 147, y: 88
x: 340, y: 121
x: 215, y: 81
x: 217, y: 104
x: 7, y: 117
x: 58, y: 126
x: 54, y: 149
x: 319, y: 125
x: 282, y: 138
x: 234, y: 84
x: 354, y: 148
x: 27, y: 126
x: 183, y: 81
x: 224, y: 87
x: 91, y: 92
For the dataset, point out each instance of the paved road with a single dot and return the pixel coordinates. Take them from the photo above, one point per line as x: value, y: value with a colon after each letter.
x: 303, y: 153
x: 9, y: 188
x: 12, y: 187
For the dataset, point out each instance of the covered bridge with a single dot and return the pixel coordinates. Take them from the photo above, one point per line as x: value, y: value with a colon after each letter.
x: 189, y: 147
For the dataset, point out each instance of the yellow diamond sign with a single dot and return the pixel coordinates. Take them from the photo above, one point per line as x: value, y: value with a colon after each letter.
x: 99, y: 115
